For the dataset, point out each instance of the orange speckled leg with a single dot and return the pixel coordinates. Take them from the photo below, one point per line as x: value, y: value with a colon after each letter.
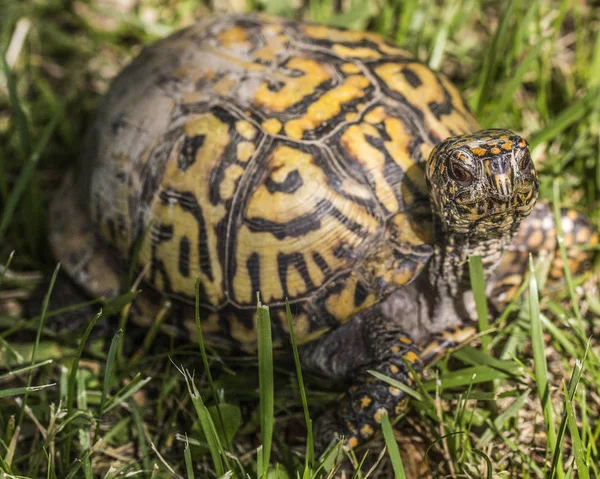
x: 371, y: 342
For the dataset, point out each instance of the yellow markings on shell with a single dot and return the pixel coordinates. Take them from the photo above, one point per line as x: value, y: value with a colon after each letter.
x: 365, y: 402
x: 367, y: 431
x: 372, y: 160
x: 356, y: 189
x: 272, y: 29
x: 246, y: 129
x: 224, y: 85
x: 480, y: 152
x: 244, y: 151
x: 209, y: 324
x: 280, y: 208
x: 398, y: 147
x: 294, y: 89
x: 229, y: 182
x: 195, y: 96
x: 183, y: 222
x: 404, y: 340
x: 376, y: 115
x: 327, y: 106
x: 395, y: 349
x: 240, y: 332
x: 507, y: 145
x: 464, y: 122
x: 341, y: 305
x: 300, y: 323
x: 357, y: 52
x: 421, y: 96
x: 352, y: 442
x: 233, y: 37
x: 350, y: 68
x: 272, y: 126
x: 495, y: 150
x: 351, y: 116
x: 267, y: 54
x: 322, y: 32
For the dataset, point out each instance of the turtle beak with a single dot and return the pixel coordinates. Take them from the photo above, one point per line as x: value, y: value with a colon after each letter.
x: 500, y: 176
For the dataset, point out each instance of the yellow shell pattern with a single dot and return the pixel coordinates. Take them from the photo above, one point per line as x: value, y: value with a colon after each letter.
x: 267, y: 155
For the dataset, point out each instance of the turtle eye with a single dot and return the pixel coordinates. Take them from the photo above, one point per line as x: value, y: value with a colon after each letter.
x: 458, y: 173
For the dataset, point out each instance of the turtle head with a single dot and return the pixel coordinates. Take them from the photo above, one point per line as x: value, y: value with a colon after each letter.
x: 482, y: 184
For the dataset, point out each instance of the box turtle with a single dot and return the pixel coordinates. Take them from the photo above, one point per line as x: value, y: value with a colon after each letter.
x: 312, y: 163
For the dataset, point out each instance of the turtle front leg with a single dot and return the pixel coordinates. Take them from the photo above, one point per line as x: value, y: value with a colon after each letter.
x: 369, y: 341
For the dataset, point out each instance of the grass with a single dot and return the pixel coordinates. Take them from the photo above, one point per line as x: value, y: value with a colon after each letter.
x: 522, y: 403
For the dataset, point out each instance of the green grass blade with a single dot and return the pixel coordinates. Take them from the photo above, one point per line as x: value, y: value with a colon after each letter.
x: 397, y: 384
x: 392, y: 447
x: 493, y: 58
x: 478, y: 286
x: 10, y: 392
x: 265, y: 381
x: 125, y: 393
x: 84, y: 433
x: 310, y: 448
x: 486, y: 458
x: 26, y: 175
x: 26, y: 368
x: 6, y: 266
x: 217, y: 452
x: 110, y: 367
x: 539, y: 359
x: 141, y: 434
x: 566, y: 118
x: 570, y: 393
x: 189, y: 465
x: 72, y: 380
x: 18, y: 113
x: 579, y: 451
x: 201, y: 345
x: 512, y: 86
x: 37, y: 341
x: 563, y: 255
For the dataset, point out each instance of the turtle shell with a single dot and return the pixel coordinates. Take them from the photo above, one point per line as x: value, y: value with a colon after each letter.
x: 260, y: 155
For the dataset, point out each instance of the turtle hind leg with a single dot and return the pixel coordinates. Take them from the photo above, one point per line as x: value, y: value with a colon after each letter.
x: 87, y: 270
x: 74, y: 244
x: 64, y: 294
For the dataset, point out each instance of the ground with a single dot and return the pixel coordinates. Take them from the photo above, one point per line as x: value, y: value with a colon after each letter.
x: 482, y: 410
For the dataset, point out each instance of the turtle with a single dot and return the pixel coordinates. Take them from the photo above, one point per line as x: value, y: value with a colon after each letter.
x: 325, y: 167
